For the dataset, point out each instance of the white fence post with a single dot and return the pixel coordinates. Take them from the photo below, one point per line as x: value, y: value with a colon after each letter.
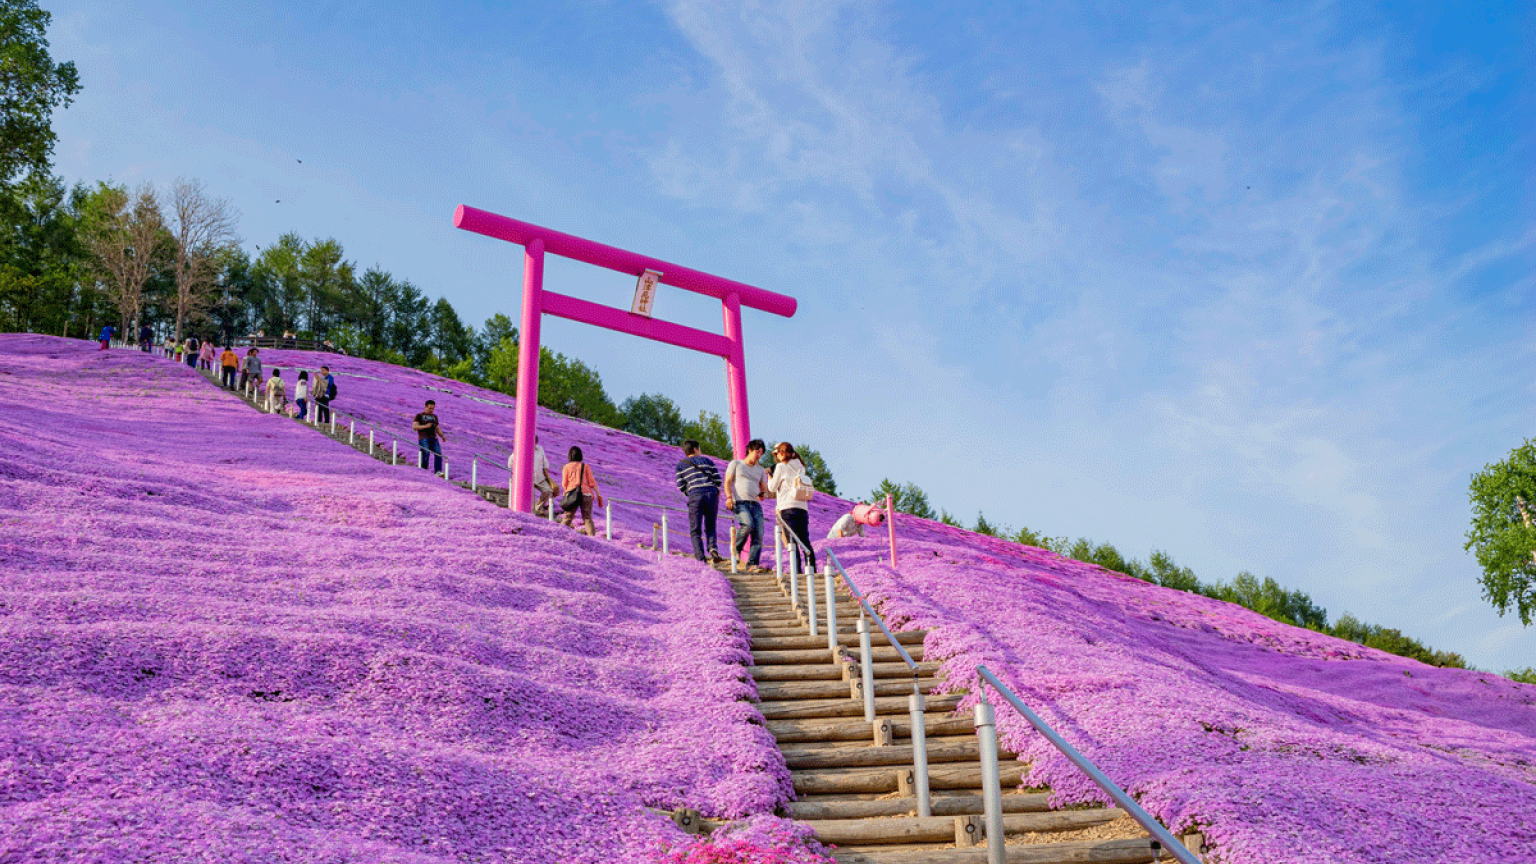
x: 474, y: 468
x: 394, y: 450
x: 608, y: 518
x: 665, y: 543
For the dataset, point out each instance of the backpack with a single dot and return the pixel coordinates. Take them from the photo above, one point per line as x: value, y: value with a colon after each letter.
x: 330, y: 388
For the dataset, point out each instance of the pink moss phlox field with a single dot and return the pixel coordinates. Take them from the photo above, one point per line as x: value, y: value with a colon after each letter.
x: 1281, y: 744
x: 225, y: 637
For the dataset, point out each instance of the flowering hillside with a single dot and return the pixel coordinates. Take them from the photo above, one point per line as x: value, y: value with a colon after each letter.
x: 224, y: 637
x: 1281, y: 744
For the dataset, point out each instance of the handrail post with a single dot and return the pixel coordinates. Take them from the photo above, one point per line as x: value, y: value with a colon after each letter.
x: 890, y: 524
x: 778, y: 554
x: 665, y: 545
x: 991, y: 780
x: 331, y: 414
x: 826, y: 573
x: 915, y: 709
x: 734, y: 554
x: 370, y: 441
x: 810, y: 589
x: 446, y: 475
x: 551, y: 505
x: 351, y: 430
x: 394, y: 450
x: 474, y: 474
x: 608, y: 518
x: 794, y: 580
x: 866, y: 668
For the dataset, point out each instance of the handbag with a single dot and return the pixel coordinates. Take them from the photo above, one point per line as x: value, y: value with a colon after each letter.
x: 572, y: 497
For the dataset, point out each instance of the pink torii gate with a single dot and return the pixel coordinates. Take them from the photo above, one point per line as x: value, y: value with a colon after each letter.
x: 537, y: 240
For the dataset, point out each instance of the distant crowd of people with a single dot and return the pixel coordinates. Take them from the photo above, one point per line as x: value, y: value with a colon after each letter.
x: 747, y: 483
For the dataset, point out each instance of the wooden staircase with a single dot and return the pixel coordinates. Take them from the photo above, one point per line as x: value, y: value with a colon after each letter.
x: 853, y: 780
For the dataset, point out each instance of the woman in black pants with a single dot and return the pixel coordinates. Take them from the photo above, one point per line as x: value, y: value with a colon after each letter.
x: 788, y: 474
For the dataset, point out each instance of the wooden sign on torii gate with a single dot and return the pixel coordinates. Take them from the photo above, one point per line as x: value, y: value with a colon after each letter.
x: 537, y: 240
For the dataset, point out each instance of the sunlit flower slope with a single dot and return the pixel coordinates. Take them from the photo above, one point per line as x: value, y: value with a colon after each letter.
x: 224, y: 637
x: 228, y: 637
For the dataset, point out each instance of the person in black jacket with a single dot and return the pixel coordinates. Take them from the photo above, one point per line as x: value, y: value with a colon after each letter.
x: 698, y: 478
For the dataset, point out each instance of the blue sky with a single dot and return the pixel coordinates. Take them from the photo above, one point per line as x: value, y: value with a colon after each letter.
x: 1247, y: 283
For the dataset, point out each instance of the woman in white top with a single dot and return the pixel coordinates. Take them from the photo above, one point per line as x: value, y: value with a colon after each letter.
x: 791, y: 511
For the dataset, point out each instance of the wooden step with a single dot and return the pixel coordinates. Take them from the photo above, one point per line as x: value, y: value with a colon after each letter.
x: 821, y: 781
x: 941, y: 829
x: 942, y: 805
x: 882, y: 654
x: 779, y: 690
x: 832, y: 756
x: 846, y: 637
x: 1131, y: 851
x: 802, y: 672
x: 795, y: 731
x: 786, y: 709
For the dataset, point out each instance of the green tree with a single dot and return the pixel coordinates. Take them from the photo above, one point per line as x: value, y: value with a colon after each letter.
x: 949, y: 519
x: 1170, y: 575
x: 1502, y: 534
x: 329, y: 283
x: 711, y: 433
x: 497, y: 328
x: 32, y: 87
x: 41, y: 260
x: 1032, y: 538
x: 984, y: 527
x: 575, y: 389
x: 816, y: 470
x: 905, y: 498
x: 653, y: 416
x: 501, y: 367
x: 452, y: 342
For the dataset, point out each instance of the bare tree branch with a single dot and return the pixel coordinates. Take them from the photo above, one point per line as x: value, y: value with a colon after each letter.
x: 202, y: 225
x: 126, y: 238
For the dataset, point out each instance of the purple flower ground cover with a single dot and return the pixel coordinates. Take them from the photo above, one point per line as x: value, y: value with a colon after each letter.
x: 224, y: 637
x: 1281, y: 744
x: 227, y: 637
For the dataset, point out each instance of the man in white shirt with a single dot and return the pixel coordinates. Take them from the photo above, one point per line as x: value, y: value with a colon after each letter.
x: 745, y: 485
x: 543, y: 481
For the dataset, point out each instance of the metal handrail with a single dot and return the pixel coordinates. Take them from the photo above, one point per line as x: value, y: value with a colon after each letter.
x: 864, y: 604
x: 1161, y: 836
x: 916, y: 705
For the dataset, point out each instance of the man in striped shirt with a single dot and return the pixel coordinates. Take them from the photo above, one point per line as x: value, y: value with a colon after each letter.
x: 698, y: 478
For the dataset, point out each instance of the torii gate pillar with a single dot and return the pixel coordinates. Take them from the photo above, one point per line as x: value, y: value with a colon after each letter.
x: 535, y: 240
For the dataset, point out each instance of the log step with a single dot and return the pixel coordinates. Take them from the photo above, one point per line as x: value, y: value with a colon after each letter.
x: 796, y: 731
x: 825, y: 781
x: 825, y: 756
x: 803, y: 672
x: 942, y: 805
x: 941, y: 829
x: 776, y: 690
x: 787, y: 709
x: 1130, y: 851
x: 845, y: 637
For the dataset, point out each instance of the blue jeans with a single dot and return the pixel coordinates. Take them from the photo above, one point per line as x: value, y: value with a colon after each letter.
x: 430, y: 444
x: 303, y: 408
x: 701, y: 520
x: 749, y: 521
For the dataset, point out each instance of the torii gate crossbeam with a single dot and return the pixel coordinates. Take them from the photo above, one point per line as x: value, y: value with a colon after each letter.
x: 537, y: 240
